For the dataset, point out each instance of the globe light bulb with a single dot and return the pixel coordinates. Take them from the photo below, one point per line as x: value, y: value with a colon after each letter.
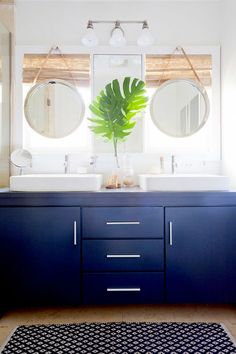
x: 90, y: 39
x: 146, y: 39
x: 117, y: 36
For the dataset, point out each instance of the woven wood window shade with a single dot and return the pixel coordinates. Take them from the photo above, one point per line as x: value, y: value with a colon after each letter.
x: 78, y: 67
x: 160, y: 68
x: 7, y: 2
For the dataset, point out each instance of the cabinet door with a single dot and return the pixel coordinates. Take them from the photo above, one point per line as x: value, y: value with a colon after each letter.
x: 201, y: 254
x: 40, y: 255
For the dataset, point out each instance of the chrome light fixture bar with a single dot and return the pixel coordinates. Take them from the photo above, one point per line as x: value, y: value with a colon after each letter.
x: 117, y: 38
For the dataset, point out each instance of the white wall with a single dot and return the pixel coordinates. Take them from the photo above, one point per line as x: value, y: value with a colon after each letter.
x: 61, y: 23
x: 57, y: 22
x: 7, y: 16
x: 229, y: 90
x: 4, y: 105
x: 7, y: 20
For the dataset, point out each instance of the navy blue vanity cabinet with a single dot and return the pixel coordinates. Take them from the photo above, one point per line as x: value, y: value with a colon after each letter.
x: 201, y: 254
x: 40, y: 255
x: 117, y: 248
x: 122, y: 255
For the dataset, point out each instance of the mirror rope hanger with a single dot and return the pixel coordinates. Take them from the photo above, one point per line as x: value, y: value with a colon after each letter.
x: 57, y: 50
x: 180, y: 49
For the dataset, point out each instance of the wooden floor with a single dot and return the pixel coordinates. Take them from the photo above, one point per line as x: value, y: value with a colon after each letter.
x: 152, y: 313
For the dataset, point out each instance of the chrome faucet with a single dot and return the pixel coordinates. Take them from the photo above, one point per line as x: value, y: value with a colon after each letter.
x: 66, y: 164
x: 173, y: 164
x: 93, y: 163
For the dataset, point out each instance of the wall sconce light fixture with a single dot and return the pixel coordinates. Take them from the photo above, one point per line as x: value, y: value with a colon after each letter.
x: 117, y: 38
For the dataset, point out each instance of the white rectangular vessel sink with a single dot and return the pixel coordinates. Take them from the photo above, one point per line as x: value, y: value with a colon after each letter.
x: 56, y: 182
x: 183, y: 182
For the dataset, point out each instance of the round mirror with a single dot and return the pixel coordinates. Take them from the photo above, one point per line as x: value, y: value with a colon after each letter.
x: 21, y: 158
x: 180, y: 108
x: 54, y: 108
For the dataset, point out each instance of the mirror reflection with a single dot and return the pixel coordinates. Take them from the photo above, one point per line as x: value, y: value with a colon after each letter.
x: 54, y: 108
x: 107, y: 67
x: 180, y: 108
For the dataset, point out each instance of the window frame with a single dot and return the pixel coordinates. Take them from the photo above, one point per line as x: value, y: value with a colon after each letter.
x: 214, y: 151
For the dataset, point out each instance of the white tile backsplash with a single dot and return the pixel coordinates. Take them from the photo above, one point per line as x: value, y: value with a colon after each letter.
x: 141, y: 163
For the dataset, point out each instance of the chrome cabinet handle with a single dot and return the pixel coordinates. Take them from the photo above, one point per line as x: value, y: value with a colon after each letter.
x: 75, y: 233
x: 171, y: 233
x: 122, y: 289
x: 123, y: 256
x: 123, y: 222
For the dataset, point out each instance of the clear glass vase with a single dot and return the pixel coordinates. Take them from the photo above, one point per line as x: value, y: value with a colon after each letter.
x: 114, y: 180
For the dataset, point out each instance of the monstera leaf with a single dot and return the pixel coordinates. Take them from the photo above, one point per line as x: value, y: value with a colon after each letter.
x: 114, y: 109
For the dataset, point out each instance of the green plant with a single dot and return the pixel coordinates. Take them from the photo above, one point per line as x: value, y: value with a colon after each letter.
x: 115, y: 108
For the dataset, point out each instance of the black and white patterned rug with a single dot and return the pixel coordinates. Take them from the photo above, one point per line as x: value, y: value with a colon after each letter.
x: 121, y: 338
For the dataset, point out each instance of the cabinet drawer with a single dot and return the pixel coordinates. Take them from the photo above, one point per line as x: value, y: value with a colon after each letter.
x: 123, y: 255
x: 123, y: 288
x: 123, y: 222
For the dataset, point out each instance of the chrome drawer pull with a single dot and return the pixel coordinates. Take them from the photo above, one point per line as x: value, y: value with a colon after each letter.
x: 123, y: 256
x: 123, y: 223
x: 123, y: 289
x: 171, y: 233
x: 75, y: 233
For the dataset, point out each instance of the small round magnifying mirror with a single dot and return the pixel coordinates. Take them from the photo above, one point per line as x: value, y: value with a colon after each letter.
x: 54, y: 108
x: 21, y: 158
x: 180, y: 108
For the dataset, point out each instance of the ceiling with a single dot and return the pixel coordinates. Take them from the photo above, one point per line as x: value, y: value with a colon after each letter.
x: 115, y: 0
